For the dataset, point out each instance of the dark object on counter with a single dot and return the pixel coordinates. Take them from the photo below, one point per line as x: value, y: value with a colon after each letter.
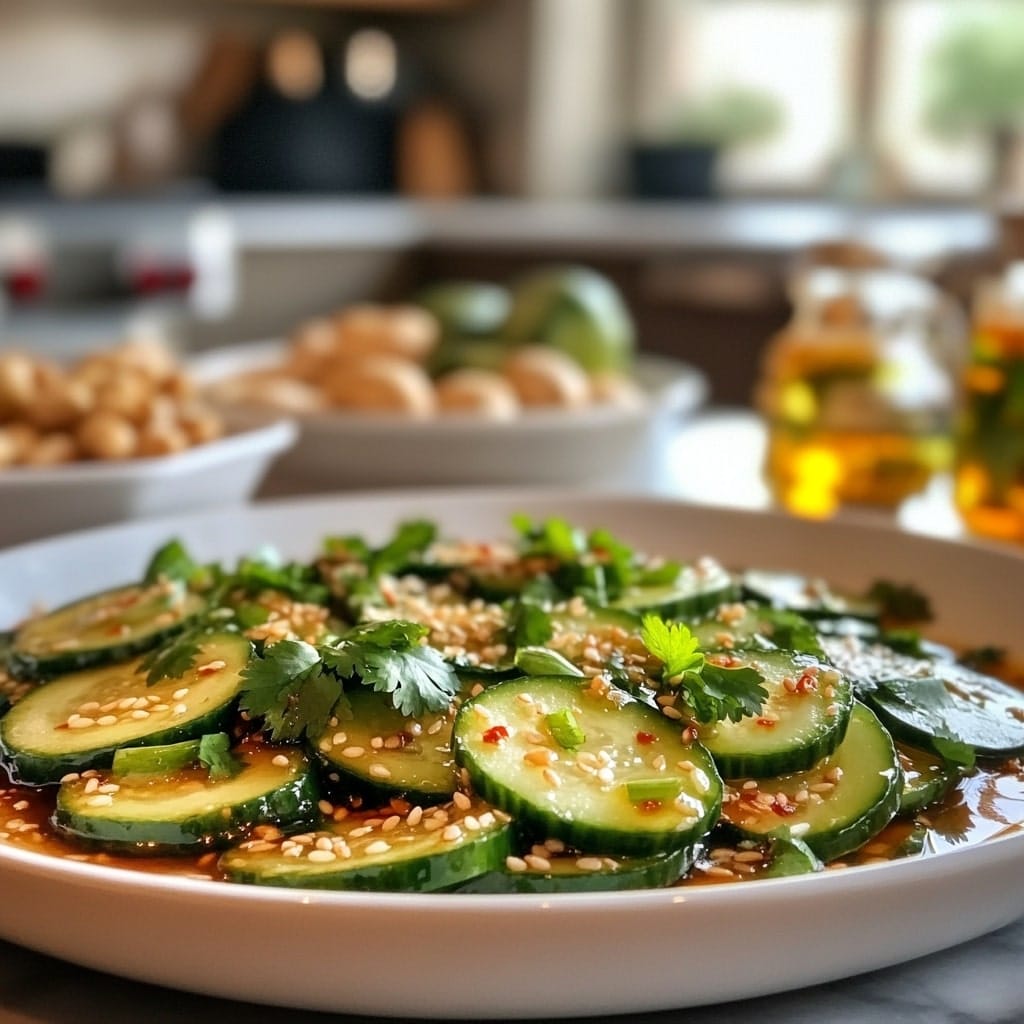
x: 22, y: 163
x: 327, y: 143
x: 681, y: 171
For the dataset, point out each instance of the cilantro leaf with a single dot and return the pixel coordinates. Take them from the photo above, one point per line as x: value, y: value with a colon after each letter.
x: 411, y: 539
x: 959, y: 754
x: 673, y: 644
x: 529, y: 625
x: 713, y: 692
x: 173, y: 659
x: 274, y: 684
x: 171, y: 562
x: 900, y: 602
x: 300, y: 582
x: 418, y: 679
x: 215, y: 755
x: 732, y: 693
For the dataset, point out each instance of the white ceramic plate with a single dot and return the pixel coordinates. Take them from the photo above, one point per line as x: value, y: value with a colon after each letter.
x: 521, y: 956
x: 545, y: 446
x: 38, y: 502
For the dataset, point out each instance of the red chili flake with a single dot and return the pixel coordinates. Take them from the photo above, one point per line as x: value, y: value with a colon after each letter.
x: 690, y: 734
x: 645, y: 737
x: 808, y: 681
x: 495, y: 734
x: 783, y: 809
x: 768, y: 723
x: 650, y: 806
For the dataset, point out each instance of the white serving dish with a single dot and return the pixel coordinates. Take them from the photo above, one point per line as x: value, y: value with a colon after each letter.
x: 601, y: 444
x: 485, y: 957
x: 37, y: 502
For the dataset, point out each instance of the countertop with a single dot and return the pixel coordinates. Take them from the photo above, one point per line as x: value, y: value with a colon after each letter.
x: 975, y: 983
x: 909, y: 232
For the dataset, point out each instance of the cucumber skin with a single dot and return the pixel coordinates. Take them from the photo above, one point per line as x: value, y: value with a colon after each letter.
x: 35, y: 769
x: 580, y: 835
x: 433, y: 873
x: 30, y: 769
x: 349, y: 784
x: 290, y: 806
x: 655, y: 873
x: 831, y: 845
x: 23, y: 665
x: 767, y: 763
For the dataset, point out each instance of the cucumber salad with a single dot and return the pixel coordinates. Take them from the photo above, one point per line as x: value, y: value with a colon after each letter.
x: 552, y: 711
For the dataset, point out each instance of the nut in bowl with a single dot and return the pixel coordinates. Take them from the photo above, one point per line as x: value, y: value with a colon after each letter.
x: 408, y: 393
x: 119, y: 435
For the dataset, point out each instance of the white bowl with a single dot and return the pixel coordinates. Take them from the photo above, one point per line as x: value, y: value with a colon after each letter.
x: 35, y: 502
x: 599, y: 444
x: 484, y: 957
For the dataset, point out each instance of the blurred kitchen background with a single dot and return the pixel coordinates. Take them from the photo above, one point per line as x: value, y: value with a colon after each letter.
x: 215, y: 172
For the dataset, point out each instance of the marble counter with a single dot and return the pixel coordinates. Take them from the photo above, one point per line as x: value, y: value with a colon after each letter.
x: 977, y: 983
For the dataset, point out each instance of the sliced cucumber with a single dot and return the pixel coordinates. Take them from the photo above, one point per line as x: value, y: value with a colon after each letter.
x: 111, y: 626
x: 575, y: 872
x: 926, y: 778
x: 186, y: 810
x: 812, y: 598
x: 378, y: 752
x: 804, y: 718
x: 697, y: 589
x: 589, y: 796
x: 790, y: 857
x: 78, y: 721
x: 834, y: 807
x: 423, y: 852
x: 929, y: 701
x: 757, y: 627
x: 955, y: 704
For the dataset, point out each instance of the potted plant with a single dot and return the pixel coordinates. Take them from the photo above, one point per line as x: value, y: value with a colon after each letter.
x: 977, y: 87
x: 681, y: 164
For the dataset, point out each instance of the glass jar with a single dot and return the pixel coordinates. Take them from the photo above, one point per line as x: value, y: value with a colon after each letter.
x: 989, y: 476
x: 859, y: 389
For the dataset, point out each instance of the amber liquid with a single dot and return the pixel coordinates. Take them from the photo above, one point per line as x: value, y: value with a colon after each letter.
x: 989, y: 473
x: 812, y: 472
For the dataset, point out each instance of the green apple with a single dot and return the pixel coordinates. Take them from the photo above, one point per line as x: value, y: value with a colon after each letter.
x: 574, y: 309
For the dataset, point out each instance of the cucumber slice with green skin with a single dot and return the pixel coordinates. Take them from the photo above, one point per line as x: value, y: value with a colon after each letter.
x: 955, y: 704
x: 424, y: 852
x: 835, y: 807
x: 791, y: 857
x: 577, y: 872
x: 185, y: 810
x: 926, y: 778
x: 926, y: 701
x: 757, y: 627
x: 378, y: 753
x: 811, y: 598
x: 101, y: 629
x: 697, y: 589
x: 78, y: 721
x: 582, y: 796
x: 804, y: 718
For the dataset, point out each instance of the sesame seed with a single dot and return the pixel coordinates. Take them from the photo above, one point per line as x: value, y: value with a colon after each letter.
x: 606, y: 775
x: 451, y: 833
x: 353, y: 752
x: 100, y: 800
x: 321, y: 856
x: 673, y: 713
x: 537, y: 863
x: 138, y: 714
x: 211, y: 666
x: 379, y: 771
x: 516, y: 864
x: 180, y: 694
x: 363, y: 830
x: 540, y: 756
x: 461, y: 800
x: 391, y: 823
x: 180, y: 709
x: 552, y: 778
x: 415, y: 816
x: 588, y: 863
x: 280, y: 761
x: 80, y: 722
x: 326, y: 807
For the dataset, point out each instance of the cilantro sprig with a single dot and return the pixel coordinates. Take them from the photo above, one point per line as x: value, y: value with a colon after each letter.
x: 296, y: 687
x: 597, y: 566
x: 713, y: 692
